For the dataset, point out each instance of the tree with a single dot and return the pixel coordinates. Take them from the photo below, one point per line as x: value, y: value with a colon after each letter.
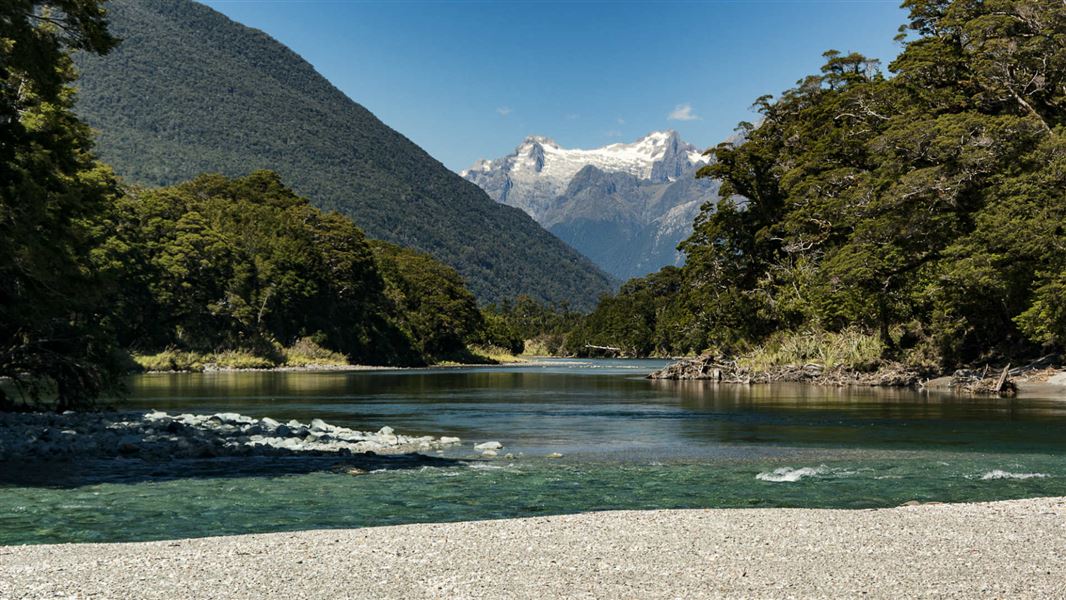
x: 52, y: 193
x: 927, y: 206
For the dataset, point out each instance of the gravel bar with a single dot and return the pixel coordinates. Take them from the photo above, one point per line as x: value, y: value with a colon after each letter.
x: 1012, y: 549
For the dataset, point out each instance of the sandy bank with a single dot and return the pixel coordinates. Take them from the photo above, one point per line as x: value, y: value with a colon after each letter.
x: 1011, y: 549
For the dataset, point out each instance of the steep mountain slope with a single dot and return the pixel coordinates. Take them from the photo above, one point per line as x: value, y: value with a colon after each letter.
x: 190, y: 91
x: 625, y: 206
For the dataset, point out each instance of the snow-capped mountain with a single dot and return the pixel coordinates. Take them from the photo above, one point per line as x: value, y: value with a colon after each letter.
x: 625, y: 206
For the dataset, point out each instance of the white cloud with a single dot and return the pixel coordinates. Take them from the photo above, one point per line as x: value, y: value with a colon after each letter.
x: 621, y: 121
x: 503, y: 111
x: 682, y: 112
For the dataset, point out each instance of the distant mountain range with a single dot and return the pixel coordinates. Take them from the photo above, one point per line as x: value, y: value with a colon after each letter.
x: 190, y: 91
x: 625, y: 206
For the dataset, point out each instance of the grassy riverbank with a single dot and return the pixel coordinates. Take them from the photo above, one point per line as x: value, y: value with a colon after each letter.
x: 304, y: 354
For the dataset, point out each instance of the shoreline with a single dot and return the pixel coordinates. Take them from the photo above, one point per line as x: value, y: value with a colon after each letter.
x: 1026, y: 381
x: 1014, y: 548
x: 533, y: 361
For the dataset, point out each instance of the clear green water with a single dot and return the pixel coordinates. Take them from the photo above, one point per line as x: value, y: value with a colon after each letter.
x: 628, y: 443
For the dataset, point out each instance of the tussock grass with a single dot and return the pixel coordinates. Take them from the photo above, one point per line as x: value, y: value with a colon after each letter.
x: 307, y: 353
x: 495, y: 355
x: 304, y: 353
x: 171, y: 360
x: 850, y: 348
x: 240, y: 359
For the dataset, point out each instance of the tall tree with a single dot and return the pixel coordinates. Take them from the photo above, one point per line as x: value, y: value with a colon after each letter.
x: 51, y: 194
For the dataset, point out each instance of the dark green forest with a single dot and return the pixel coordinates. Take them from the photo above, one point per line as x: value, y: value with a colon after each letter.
x: 912, y: 212
x: 219, y: 263
x: 189, y: 91
x: 237, y: 270
x: 923, y: 205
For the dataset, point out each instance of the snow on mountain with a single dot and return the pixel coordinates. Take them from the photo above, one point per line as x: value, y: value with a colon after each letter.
x: 626, y: 206
x: 540, y: 169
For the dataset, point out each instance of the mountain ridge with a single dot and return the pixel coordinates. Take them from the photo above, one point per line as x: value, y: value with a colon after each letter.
x: 191, y: 91
x: 625, y: 205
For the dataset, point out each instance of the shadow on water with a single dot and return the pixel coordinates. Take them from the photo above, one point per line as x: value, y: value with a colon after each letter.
x: 81, y: 472
x: 805, y: 415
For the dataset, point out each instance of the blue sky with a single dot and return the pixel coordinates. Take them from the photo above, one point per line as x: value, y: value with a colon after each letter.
x: 470, y: 79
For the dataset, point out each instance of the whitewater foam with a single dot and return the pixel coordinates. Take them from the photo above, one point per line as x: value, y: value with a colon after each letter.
x: 1001, y: 474
x: 788, y: 474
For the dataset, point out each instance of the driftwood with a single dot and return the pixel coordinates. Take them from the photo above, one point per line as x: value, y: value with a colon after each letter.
x: 610, y: 349
x: 973, y: 381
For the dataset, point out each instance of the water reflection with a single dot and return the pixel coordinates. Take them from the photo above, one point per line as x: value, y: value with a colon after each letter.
x: 605, y: 407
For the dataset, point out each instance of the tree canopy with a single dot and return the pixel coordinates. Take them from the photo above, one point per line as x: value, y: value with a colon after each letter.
x: 51, y: 190
x: 926, y: 205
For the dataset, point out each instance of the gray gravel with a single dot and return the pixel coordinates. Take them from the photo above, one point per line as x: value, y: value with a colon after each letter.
x: 1014, y: 549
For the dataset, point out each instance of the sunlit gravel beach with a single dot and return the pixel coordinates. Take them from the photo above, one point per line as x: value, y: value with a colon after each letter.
x: 1012, y: 549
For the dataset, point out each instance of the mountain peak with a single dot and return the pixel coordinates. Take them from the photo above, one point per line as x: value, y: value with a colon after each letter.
x: 625, y: 205
x: 538, y: 140
x: 540, y: 169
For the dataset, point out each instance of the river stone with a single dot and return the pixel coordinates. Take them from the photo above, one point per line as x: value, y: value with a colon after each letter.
x: 489, y: 453
x: 488, y: 446
x: 449, y: 440
x: 320, y: 425
x: 268, y: 423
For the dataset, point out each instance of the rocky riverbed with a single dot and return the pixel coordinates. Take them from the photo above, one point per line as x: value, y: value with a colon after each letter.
x: 158, y: 435
x: 1038, y: 376
x: 725, y: 370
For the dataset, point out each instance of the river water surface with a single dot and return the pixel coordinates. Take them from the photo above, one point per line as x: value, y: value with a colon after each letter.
x: 627, y: 443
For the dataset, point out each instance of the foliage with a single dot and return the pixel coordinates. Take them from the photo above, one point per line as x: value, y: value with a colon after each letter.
x: 51, y: 189
x: 432, y: 305
x: 307, y: 352
x: 189, y: 91
x: 524, y: 325
x: 850, y: 348
x: 218, y: 264
x: 639, y: 319
x: 931, y: 202
x: 222, y: 263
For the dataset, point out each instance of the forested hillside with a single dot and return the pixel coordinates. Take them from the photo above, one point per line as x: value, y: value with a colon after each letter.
x: 215, y: 271
x: 188, y: 92
x: 923, y: 207
x: 245, y: 265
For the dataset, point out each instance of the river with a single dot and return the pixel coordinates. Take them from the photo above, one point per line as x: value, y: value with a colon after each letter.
x: 626, y: 443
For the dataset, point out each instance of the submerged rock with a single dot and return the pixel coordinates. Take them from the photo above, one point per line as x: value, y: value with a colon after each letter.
x: 488, y: 446
x: 156, y: 435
